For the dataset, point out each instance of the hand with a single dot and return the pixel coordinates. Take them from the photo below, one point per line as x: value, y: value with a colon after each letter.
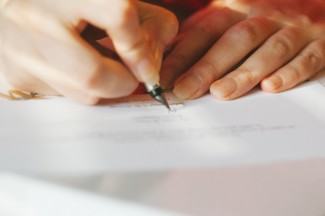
x: 232, y: 46
x: 42, y: 50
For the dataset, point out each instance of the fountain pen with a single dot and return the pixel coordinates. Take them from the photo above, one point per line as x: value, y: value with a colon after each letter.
x: 158, y: 94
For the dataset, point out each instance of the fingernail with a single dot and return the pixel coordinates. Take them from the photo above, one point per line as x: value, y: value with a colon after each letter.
x: 272, y: 82
x: 147, y: 72
x: 187, y: 87
x: 223, y: 88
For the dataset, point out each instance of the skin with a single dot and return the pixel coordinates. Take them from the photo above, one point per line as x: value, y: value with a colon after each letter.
x: 42, y: 49
x: 232, y: 46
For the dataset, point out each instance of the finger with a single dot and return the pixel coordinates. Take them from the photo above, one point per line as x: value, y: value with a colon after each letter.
x: 70, y: 61
x: 73, y: 92
x: 230, y: 49
x: 157, y: 23
x: 105, y: 79
x: 310, y: 61
x: 20, y: 78
x: 121, y: 20
x: 23, y: 80
x: 160, y: 27
x: 57, y: 53
x: 194, y: 42
x: 85, y: 68
x: 273, y: 54
x: 78, y: 91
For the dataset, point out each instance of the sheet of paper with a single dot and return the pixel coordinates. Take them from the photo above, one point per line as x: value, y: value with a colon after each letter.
x: 60, y: 136
x: 21, y: 196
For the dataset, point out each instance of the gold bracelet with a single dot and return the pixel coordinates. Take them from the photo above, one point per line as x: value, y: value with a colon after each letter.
x: 14, y: 94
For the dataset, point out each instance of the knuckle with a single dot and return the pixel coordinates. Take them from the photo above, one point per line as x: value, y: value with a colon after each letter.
x: 91, y: 77
x: 313, y: 59
x: 294, y: 74
x: 281, y: 45
x: 246, y: 31
x: 206, y: 72
x: 248, y: 77
x: 209, y: 69
x: 315, y: 55
x: 133, y: 49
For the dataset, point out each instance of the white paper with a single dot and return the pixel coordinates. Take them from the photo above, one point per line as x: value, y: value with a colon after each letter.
x: 60, y: 136
x: 21, y: 196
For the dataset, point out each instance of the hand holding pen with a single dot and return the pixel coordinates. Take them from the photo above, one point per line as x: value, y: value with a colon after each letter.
x: 43, y: 52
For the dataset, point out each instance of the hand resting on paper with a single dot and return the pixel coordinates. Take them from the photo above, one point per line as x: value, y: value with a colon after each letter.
x: 233, y: 45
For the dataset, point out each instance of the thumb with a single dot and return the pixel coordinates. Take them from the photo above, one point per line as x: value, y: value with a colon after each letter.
x: 160, y: 27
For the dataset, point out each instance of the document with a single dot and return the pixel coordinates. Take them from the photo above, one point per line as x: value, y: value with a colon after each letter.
x: 21, y: 196
x: 136, y: 133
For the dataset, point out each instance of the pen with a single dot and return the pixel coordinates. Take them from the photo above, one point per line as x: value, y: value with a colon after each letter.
x: 158, y: 94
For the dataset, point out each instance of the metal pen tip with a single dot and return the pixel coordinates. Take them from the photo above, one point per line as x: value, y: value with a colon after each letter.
x: 162, y: 99
x: 158, y: 94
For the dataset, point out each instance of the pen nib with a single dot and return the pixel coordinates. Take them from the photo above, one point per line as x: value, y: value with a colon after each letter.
x: 158, y: 94
x: 162, y: 99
